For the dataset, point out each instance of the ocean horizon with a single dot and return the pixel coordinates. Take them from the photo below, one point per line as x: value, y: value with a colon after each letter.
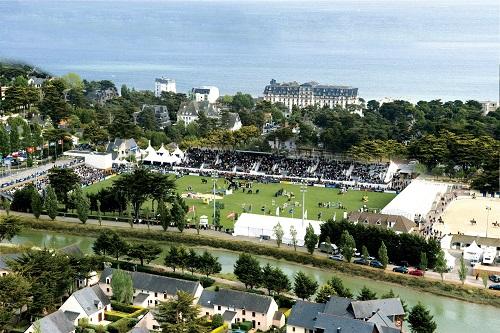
x: 400, y: 49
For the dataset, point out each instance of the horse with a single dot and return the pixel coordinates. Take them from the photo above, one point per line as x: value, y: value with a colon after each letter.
x: 204, y: 181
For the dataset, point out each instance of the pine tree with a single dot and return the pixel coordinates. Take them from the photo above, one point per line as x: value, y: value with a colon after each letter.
x: 420, y: 319
x: 462, y: 270
x: 304, y: 286
x: 366, y: 294
x: 121, y: 283
x: 82, y: 204
x: 310, y: 239
x: 423, y: 261
x: 440, y: 265
x: 382, y: 255
x: 51, y: 204
x: 347, y: 245
x: 247, y: 269
x: 36, y: 204
x: 325, y: 292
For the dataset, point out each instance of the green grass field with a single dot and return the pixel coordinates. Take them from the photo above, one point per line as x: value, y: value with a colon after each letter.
x: 265, y: 200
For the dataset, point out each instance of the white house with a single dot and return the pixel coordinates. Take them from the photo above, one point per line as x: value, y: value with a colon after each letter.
x: 205, y: 93
x: 164, y: 84
x: 148, y: 322
x: 122, y: 149
x: 89, y: 302
x: 238, y: 306
x: 234, y: 122
x: 150, y: 289
x: 56, y: 322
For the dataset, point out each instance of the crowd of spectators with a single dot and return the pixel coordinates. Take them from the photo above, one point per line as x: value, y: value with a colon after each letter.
x: 88, y: 175
x: 323, y: 169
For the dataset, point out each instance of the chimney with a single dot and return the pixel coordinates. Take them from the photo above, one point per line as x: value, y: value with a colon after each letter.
x: 339, y: 329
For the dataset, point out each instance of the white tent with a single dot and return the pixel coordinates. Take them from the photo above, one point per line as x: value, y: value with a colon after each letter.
x: 255, y: 225
x: 473, y: 252
x: 179, y: 153
x: 450, y: 260
x: 150, y: 154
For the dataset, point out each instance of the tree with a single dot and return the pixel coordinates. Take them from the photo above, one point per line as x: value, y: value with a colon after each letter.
x: 99, y: 217
x: 382, y: 255
x: 304, y: 286
x: 278, y: 233
x: 14, y: 293
x: 178, y: 213
x: 82, y: 204
x: 247, y: 270
x: 338, y: 287
x: 36, y: 204
x: 122, y: 286
x: 484, y: 277
x: 164, y: 215
x: 144, y: 251
x: 119, y: 247
x: 217, y: 321
x: 217, y: 217
x: 63, y: 181
x: 10, y: 226
x: 50, y: 275
x: 347, y: 245
x: 462, y: 270
x: 21, y: 200
x: 325, y: 293
x: 310, y: 239
x: 172, y: 259
x: 208, y: 264
x: 293, y: 233
x: 179, y: 314
x: 6, y: 205
x: 441, y: 267
x: 366, y: 294
x: 420, y: 320
x: 423, y: 261
x: 267, y: 278
x: 364, y: 252
x: 102, y: 244
x: 281, y: 282
x: 192, y: 261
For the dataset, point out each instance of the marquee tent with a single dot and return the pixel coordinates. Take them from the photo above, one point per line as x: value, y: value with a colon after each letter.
x: 473, y: 252
x: 255, y: 225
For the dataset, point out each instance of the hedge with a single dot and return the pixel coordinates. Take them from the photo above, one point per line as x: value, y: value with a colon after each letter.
x: 125, y: 307
x: 121, y: 326
x: 205, y: 282
x: 453, y: 290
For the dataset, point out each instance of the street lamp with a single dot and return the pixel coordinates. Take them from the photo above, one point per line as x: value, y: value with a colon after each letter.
x: 303, y: 189
x: 488, y: 209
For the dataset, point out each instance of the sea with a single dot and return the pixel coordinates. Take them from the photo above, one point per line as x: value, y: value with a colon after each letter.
x: 422, y: 49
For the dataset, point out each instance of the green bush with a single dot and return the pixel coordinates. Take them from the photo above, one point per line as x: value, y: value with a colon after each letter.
x: 112, y: 316
x: 284, y: 302
x: 124, y: 307
x: 121, y: 326
x: 246, y: 326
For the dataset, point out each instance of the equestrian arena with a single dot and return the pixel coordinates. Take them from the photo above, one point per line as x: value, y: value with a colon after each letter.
x: 469, y: 216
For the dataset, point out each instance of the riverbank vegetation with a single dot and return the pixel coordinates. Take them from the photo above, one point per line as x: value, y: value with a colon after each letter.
x: 449, y: 289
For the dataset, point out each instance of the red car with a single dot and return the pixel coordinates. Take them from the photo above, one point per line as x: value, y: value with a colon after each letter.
x: 416, y: 272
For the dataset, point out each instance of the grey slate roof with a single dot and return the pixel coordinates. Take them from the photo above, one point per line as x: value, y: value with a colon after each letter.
x: 56, y: 322
x: 304, y: 313
x: 401, y: 223
x: 242, y: 300
x: 156, y: 283
x: 338, y: 306
x: 233, y: 119
x: 141, y: 297
x: 389, y: 306
x: 331, y: 323
x: 207, y: 298
x: 89, y: 297
x: 71, y: 315
x: 228, y: 315
x: 383, y: 323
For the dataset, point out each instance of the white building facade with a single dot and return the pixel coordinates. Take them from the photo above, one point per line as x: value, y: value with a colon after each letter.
x: 205, y: 93
x: 309, y: 94
x: 164, y: 84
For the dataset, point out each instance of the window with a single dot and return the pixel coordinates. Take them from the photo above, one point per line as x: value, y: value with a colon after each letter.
x: 107, y: 289
x: 218, y: 307
x: 253, y: 314
x: 206, y: 314
x: 243, y: 312
x: 156, y: 294
x: 293, y: 329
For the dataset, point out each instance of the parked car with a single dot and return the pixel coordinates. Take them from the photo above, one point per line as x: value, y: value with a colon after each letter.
x: 265, y: 237
x: 376, y: 264
x: 416, y: 272
x: 495, y: 287
x: 362, y: 261
x: 400, y: 269
x: 494, y: 278
x: 337, y: 257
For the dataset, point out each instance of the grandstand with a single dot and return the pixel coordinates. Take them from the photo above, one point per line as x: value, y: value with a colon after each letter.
x: 349, y: 173
x: 416, y: 200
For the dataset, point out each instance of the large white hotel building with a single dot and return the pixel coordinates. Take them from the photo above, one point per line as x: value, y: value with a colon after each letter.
x: 310, y: 93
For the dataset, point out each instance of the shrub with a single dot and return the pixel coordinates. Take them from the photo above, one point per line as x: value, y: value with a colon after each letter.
x: 246, y: 326
x: 217, y: 321
x: 121, y: 326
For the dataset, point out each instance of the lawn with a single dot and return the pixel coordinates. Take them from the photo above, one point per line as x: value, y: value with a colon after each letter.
x: 266, y: 201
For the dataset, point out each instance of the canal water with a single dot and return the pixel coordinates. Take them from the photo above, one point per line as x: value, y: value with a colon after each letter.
x: 451, y: 315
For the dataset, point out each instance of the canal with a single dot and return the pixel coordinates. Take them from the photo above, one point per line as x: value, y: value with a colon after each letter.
x: 451, y: 315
